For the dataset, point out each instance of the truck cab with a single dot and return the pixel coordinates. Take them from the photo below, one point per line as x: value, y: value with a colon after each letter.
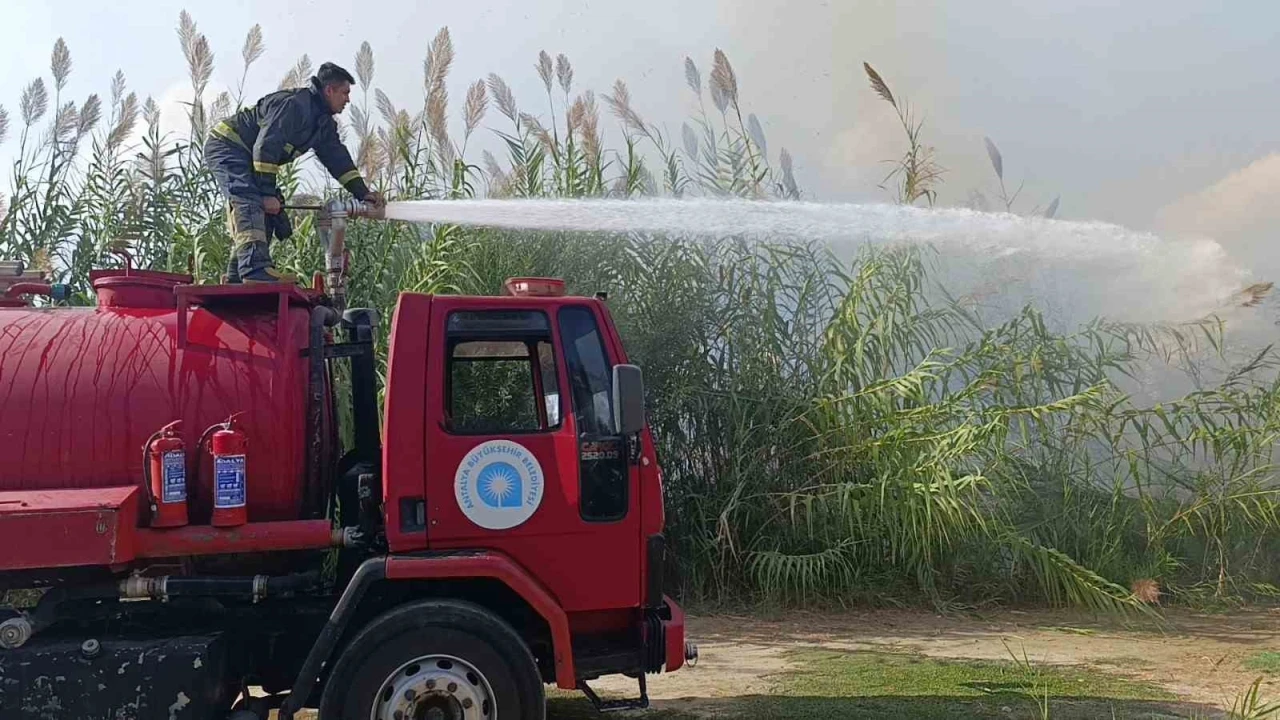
x: 492, y: 524
x: 531, y: 443
x: 515, y: 426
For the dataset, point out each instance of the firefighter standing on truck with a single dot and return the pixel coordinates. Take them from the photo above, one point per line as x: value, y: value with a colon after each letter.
x: 246, y: 151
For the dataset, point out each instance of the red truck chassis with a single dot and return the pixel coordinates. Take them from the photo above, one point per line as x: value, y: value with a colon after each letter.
x: 399, y: 588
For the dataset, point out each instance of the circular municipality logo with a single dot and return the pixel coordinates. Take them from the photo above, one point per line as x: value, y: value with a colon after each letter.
x: 498, y: 484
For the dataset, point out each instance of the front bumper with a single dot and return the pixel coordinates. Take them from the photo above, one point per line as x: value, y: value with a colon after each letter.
x: 678, y: 650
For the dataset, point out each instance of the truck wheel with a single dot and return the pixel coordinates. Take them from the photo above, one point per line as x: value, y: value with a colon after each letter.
x: 435, y: 660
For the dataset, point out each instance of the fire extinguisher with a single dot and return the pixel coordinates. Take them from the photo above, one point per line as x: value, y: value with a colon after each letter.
x: 165, y: 467
x: 230, y: 487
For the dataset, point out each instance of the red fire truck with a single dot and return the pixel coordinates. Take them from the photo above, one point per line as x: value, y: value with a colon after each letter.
x: 212, y: 488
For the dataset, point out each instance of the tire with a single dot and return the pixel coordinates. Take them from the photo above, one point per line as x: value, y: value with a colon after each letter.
x: 418, y: 650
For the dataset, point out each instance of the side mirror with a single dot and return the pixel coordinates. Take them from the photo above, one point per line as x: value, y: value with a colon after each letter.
x: 628, y: 399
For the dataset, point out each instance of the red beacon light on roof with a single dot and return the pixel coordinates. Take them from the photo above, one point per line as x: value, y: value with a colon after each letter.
x: 535, y: 287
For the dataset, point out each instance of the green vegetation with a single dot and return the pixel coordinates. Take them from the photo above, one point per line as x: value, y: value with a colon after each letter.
x: 873, y: 685
x: 882, y: 685
x: 829, y: 430
x: 1267, y: 661
x: 1249, y: 705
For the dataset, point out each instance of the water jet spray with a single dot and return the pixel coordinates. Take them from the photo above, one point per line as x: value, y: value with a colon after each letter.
x: 1087, y: 269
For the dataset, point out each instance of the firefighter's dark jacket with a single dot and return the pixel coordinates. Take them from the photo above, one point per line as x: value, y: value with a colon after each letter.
x: 284, y: 125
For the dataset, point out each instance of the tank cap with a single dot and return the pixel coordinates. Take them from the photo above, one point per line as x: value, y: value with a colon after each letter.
x: 137, y: 288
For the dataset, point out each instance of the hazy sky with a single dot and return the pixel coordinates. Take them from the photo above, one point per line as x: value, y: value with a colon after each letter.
x: 1125, y: 108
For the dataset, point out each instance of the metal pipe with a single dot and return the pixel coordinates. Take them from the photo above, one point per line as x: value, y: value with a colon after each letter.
x: 251, y: 537
x: 121, y: 250
x: 15, y: 632
x: 319, y: 469
x: 56, y: 292
x: 331, y: 230
x: 28, y: 288
x: 335, y: 262
x: 355, y: 208
x: 324, y: 232
x: 370, y: 212
x: 11, y: 267
x: 256, y: 588
x: 360, y: 324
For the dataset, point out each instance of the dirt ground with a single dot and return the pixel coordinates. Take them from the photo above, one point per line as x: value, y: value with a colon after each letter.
x: 1198, y: 657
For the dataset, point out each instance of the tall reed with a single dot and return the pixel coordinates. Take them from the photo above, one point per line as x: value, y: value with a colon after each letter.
x: 829, y: 430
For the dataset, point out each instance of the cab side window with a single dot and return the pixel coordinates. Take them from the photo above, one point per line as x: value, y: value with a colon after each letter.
x: 501, y: 374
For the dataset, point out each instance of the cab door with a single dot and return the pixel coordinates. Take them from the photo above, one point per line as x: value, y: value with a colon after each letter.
x: 522, y: 453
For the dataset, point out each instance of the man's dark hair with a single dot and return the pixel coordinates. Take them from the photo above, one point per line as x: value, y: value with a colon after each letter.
x: 330, y: 74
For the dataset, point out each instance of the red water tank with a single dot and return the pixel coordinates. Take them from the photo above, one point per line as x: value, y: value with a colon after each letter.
x: 82, y: 389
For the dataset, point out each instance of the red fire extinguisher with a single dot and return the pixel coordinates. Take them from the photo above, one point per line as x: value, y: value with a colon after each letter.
x: 230, y: 486
x: 165, y: 464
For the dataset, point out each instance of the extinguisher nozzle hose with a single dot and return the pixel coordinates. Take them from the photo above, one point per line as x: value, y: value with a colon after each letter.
x: 152, y: 500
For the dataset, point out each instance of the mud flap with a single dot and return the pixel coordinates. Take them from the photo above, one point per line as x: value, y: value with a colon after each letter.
x: 183, y: 678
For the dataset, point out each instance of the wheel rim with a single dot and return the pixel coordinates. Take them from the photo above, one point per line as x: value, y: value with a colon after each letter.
x: 435, y: 687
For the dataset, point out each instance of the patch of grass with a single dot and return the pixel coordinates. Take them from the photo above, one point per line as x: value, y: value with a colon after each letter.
x: 871, y: 673
x: 829, y: 685
x: 891, y: 685
x: 1267, y: 661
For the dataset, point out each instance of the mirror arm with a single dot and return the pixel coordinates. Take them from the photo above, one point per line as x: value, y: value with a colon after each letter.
x: 634, y: 446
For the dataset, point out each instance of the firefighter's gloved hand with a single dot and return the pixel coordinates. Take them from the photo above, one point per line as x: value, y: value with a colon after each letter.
x: 375, y: 199
x: 279, y: 226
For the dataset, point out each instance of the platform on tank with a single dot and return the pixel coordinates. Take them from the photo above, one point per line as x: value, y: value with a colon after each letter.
x: 252, y: 294
x: 252, y: 297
